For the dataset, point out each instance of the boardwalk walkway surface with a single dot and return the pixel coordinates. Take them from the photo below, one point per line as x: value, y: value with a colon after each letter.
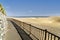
x: 21, y: 32
x: 11, y: 33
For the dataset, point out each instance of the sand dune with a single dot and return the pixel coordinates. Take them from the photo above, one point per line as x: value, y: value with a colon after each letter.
x: 52, y: 24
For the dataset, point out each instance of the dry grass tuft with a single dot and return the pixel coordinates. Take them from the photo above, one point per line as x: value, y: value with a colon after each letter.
x: 55, y: 19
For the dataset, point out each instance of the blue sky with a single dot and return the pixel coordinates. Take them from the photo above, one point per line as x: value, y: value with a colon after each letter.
x: 31, y: 7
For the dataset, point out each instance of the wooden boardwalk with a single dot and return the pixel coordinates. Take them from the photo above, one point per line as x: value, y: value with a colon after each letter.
x: 11, y: 33
x: 21, y: 32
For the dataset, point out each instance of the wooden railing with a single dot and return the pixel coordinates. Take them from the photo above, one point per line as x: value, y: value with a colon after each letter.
x: 36, y: 33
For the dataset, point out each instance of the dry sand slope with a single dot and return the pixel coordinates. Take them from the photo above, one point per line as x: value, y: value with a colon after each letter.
x: 52, y: 24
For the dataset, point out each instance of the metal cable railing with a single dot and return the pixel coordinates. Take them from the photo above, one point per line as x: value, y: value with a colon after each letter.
x: 37, y: 33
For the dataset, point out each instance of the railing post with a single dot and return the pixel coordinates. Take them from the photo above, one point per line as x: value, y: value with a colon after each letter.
x: 30, y: 29
x: 45, y: 34
x: 23, y: 25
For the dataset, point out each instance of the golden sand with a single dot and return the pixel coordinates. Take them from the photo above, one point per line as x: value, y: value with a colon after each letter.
x: 49, y: 23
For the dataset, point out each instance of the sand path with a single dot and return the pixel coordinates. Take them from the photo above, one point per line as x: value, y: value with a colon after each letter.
x: 11, y: 34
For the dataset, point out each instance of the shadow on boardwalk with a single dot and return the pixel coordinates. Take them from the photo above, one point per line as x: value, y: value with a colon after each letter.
x: 21, y: 32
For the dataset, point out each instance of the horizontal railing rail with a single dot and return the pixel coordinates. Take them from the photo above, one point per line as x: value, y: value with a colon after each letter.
x: 36, y: 33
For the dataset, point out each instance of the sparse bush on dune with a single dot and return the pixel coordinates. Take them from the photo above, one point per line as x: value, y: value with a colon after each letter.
x: 55, y: 19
